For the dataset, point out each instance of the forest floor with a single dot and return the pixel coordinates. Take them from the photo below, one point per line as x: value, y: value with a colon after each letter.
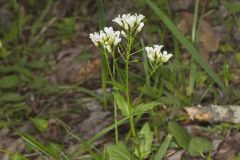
x: 55, y: 72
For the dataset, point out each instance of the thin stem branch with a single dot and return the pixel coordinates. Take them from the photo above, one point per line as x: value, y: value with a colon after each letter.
x: 114, y: 103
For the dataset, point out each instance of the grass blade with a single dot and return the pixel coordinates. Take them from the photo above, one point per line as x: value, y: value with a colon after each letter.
x: 39, y: 147
x: 163, y: 148
x: 186, y: 43
x: 107, y: 129
x: 101, y: 16
x: 35, y: 143
x: 38, y: 22
x: 145, y: 60
x: 104, y: 74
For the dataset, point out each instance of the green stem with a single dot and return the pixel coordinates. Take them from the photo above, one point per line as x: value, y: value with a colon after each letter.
x: 127, y: 87
x: 103, y: 80
x: 194, y: 35
x: 104, y: 74
x: 147, y: 83
x: 195, y: 21
x: 112, y: 76
x: 115, y: 104
x: 131, y: 118
x: 108, y: 66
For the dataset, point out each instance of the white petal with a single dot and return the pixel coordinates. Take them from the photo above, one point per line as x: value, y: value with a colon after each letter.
x: 118, y: 20
x: 165, y: 57
x: 140, y: 17
x: 117, y: 40
x: 140, y: 27
x: 164, y: 53
x: 150, y: 57
x: 131, y: 21
x: 158, y: 47
x: 148, y: 49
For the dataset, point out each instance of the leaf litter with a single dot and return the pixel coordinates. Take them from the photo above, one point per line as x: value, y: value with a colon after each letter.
x: 68, y: 71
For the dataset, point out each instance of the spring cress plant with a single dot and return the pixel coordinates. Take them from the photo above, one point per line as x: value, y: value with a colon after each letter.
x: 113, y: 43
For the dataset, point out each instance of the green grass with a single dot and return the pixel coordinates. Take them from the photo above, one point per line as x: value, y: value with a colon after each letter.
x: 167, y: 89
x: 186, y: 43
x: 104, y: 73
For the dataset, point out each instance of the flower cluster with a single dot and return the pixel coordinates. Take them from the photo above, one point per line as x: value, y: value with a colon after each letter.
x: 155, y: 55
x: 108, y: 38
x: 130, y: 22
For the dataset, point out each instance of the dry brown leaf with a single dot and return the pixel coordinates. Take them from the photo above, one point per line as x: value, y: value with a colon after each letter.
x: 209, y: 42
x: 89, y: 70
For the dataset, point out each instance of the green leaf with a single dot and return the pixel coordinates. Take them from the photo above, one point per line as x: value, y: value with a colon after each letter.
x: 146, y: 138
x: 4, y: 52
x: 39, y: 21
x: 6, y: 69
x: 186, y: 43
x: 117, y: 86
x: 38, y: 83
x: 163, y: 148
x: 144, y: 107
x: 35, y: 144
x: 11, y: 97
x: 199, y: 145
x: 226, y: 48
x: 23, y: 71
x: 104, y: 72
x: 179, y: 133
x: 48, y: 48
x: 101, y: 15
x: 17, y: 156
x: 232, y: 7
x: 40, y: 123
x: 37, y: 64
x: 50, y: 150
x: 118, y: 152
x: 122, y: 104
x: 66, y: 27
x: 55, y: 149
x: 226, y: 73
x: 9, y: 81
x: 238, y: 57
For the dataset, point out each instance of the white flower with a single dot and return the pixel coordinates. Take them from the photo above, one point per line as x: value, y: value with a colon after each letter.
x: 158, y: 48
x: 139, y: 18
x: 96, y: 37
x: 130, y: 22
x: 107, y: 37
x: 140, y: 27
x: 154, y: 54
x: 117, y: 40
x: 166, y: 56
x: 118, y: 20
x: 108, y: 48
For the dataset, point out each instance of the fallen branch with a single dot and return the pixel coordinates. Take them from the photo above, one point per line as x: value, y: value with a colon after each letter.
x: 214, y: 113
